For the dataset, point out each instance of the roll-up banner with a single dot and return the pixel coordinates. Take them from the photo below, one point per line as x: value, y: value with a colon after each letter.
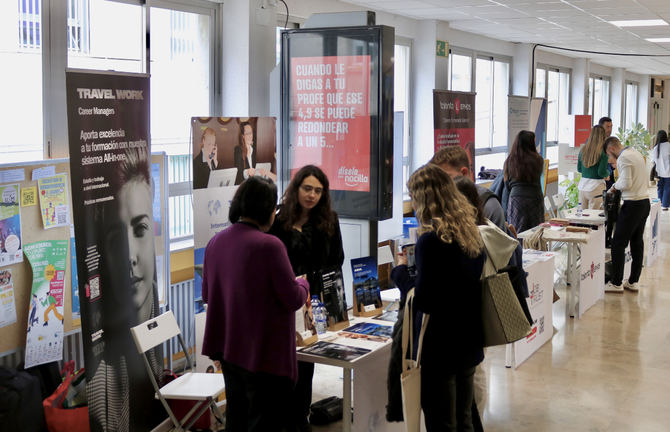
x: 226, y: 151
x: 525, y: 113
x: 108, y: 126
x: 454, y: 121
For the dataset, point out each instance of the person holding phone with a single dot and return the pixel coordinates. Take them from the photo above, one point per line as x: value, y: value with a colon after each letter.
x: 206, y: 161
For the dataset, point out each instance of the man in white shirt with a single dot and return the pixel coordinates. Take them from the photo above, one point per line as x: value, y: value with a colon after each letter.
x: 632, y: 183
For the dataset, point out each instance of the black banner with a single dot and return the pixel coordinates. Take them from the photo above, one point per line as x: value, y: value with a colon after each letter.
x: 108, y: 125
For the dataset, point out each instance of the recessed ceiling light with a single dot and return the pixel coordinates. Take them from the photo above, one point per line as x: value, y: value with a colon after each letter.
x: 659, y: 40
x: 639, y: 23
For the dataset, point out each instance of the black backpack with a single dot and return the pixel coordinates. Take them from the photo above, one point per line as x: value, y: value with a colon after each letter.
x: 20, y: 402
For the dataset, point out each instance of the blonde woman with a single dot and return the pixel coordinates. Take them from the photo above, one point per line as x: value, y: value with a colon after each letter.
x: 592, y: 164
x: 449, y: 263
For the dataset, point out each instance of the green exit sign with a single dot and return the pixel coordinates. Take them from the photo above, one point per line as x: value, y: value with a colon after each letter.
x: 442, y: 49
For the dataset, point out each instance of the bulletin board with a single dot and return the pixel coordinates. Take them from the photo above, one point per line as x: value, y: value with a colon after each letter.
x: 13, y: 336
x: 32, y: 230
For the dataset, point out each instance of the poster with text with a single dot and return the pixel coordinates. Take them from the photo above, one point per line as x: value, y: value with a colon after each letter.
x: 582, y: 129
x: 454, y: 121
x: 52, y: 193
x: 7, y: 303
x: 331, y: 118
x: 44, y: 340
x: 108, y: 127
x: 518, y: 116
x: 226, y: 151
x: 10, y: 226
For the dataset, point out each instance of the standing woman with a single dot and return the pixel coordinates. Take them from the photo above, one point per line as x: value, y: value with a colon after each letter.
x: 522, y: 199
x: 310, y: 230
x: 592, y: 165
x: 449, y: 262
x: 245, y: 153
x: 661, y: 157
x: 252, y: 295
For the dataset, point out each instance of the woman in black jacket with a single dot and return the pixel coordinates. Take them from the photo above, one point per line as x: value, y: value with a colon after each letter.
x: 310, y: 230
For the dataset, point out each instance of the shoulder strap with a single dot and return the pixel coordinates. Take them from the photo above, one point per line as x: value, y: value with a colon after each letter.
x: 408, y: 334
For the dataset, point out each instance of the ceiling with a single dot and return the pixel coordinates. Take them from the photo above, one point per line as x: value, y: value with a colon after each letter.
x: 577, y: 24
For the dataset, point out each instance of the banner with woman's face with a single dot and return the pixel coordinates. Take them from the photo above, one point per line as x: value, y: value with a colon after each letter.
x: 108, y: 122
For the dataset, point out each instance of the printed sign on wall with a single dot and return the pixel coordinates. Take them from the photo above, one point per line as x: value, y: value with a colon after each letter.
x: 454, y: 121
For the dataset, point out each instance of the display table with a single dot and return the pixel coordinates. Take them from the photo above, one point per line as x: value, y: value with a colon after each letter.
x: 369, y: 383
x: 540, y: 268
x: 589, y: 217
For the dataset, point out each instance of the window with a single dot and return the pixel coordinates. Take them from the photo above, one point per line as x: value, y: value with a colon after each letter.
x: 21, y: 119
x: 630, y: 105
x: 113, y: 47
x: 492, y: 87
x: 78, y: 29
x: 460, y: 72
x: 599, y: 97
x: 401, y: 102
x: 553, y: 84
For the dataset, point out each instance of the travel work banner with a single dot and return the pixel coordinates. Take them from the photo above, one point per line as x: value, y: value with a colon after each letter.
x: 454, y: 121
x: 108, y: 126
x: 330, y: 98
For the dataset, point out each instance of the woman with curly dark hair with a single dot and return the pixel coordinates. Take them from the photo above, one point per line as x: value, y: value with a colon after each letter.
x: 310, y: 230
x: 522, y: 199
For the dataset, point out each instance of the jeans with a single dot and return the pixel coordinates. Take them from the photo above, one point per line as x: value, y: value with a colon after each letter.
x: 447, y: 399
x: 663, y: 188
x: 629, y: 229
x: 256, y: 401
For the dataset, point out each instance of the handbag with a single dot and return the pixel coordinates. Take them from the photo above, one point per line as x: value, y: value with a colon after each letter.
x: 410, y: 379
x: 59, y: 418
x: 503, y: 319
x: 653, y: 175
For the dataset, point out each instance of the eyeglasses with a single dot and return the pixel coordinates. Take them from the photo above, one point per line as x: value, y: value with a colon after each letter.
x: 308, y: 189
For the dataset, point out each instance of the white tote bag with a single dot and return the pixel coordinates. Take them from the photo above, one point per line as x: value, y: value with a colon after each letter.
x: 410, y: 379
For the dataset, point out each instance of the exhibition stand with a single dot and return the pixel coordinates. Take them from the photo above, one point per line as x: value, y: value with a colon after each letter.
x: 369, y: 382
x: 540, y: 268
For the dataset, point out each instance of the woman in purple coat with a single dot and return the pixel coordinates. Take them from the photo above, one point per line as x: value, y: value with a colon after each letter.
x: 252, y: 295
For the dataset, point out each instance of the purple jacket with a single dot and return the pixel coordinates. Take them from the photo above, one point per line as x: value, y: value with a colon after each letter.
x: 252, y: 296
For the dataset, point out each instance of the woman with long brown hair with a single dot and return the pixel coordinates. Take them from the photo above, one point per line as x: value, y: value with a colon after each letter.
x: 245, y: 153
x: 310, y: 230
x: 449, y: 262
x: 522, y: 198
x: 592, y: 164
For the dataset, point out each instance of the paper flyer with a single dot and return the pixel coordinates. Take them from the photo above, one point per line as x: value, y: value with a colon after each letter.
x: 7, y: 304
x: 44, y: 341
x: 10, y: 226
x: 53, y: 201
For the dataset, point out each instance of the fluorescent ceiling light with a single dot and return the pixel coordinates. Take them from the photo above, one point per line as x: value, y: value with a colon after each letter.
x: 639, y: 23
x: 659, y: 40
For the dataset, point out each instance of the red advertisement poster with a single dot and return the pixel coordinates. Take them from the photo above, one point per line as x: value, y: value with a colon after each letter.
x: 582, y: 129
x: 454, y: 121
x: 331, y: 118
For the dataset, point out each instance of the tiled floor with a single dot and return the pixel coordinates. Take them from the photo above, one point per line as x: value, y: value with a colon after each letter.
x: 609, y: 371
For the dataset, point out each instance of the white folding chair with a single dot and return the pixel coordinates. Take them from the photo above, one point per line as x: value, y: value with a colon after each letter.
x: 201, y: 387
x: 548, y: 207
x: 558, y: 203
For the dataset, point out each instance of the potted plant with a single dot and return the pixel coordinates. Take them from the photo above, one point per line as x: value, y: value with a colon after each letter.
x: 571, y: 193
x: 637, y: 137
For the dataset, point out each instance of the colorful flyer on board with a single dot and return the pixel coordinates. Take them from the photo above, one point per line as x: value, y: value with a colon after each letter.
x: 7, y: 304
x: 44, y: 340
x: 10, y: 226
x: 53, y: 201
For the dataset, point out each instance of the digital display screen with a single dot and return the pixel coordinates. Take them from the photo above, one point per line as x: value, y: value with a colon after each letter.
x: 337, y: 113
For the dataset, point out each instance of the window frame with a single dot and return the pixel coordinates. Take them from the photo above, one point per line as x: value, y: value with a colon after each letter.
x: 493, y: 58
x: 636, y: 120
x: 551, y: 68
x: 592, y: 78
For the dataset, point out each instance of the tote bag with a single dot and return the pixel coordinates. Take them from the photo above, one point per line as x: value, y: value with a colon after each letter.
x: 503, y: 319
x: 410, y: 379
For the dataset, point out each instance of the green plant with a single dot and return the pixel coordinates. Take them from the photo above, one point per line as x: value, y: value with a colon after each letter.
x: 571, y: 196
x: 637, y: 137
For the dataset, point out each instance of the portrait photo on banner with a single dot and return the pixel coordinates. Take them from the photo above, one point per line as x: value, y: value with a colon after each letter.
x: 228, y: 150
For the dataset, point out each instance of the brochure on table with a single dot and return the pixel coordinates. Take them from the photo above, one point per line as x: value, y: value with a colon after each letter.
x: 540, y: 268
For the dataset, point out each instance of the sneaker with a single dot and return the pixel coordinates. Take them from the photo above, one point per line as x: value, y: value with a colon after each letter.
x: 631, y: 286
x: 665, y: 209
x: 610, y: 287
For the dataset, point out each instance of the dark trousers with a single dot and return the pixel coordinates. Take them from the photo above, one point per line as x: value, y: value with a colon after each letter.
x: 302, y: 394
x: 663, y: 188
x: 629, y: 229
x: 446, y: 399
x: 255, y: 401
